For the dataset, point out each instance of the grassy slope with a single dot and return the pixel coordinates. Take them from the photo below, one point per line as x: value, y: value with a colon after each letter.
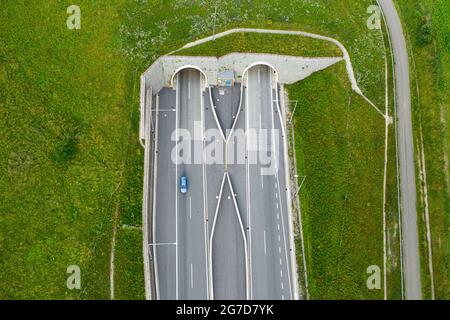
x: 265, y: 43
x: 432, y: 61
x: 340, y: 150
x: 64, y: 125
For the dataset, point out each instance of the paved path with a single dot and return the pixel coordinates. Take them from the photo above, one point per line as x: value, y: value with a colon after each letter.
x: 411, y: 259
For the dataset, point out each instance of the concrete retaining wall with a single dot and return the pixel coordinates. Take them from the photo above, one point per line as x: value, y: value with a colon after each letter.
x: 290, y: 69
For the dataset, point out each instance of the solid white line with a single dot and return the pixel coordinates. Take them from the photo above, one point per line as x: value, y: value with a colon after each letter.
x: 163, y: 244
x: 189, y: 90
x: 155, y: 175
x: 163, y: 110
x: 230, y: 134
x: 213, y: 108
x: 242, y: 228
x: 265, y: 244
x: 176, y: 186
x: 212, y: 236
x: 205, y: 193
x: 260, y: 122
x: 190, y: 207
x: 247, y: 167
x: 192, y: 277
x: 145, y: 239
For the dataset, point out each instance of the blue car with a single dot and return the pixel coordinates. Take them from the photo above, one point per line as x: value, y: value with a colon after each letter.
x: 183, y: 184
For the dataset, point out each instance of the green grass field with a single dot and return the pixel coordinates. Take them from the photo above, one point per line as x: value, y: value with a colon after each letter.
x: 70, y: 157
x: 265, y: 43
x: 66, y: 112
x: 427, y: 25
x: 340, y: 150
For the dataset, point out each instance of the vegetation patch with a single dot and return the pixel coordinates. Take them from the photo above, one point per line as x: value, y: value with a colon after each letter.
x: 292, y: 45
x: 427, y: 25
x: 340, y: 150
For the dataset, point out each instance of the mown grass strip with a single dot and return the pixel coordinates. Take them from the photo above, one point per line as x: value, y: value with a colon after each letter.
x: 264, y: 43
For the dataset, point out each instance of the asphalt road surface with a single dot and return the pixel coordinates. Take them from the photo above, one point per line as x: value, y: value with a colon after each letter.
x: 228, y: 236
x: 411, y: 260
x: 268, y: 239
x: 191, y: 241
x: 180, y: 218
x: 164, y: 232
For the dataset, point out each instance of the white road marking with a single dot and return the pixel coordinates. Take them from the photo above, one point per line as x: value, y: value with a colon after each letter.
x: 192, y: 277
x: 282, y: 286
x: 281, y: 273
x: 265, y: 244
x: 190, y: 207
x: 163, y: 244
x: 176, y: 190
x: 189, y: 90
x: 247, y: 169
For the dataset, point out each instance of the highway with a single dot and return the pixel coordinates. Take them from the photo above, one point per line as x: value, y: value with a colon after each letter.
x: 164, y: 229
x: 228, y: 236
x: 180, y: 218
x: 267, y: 213
x: 411, y: 261
x: 192, y: 256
